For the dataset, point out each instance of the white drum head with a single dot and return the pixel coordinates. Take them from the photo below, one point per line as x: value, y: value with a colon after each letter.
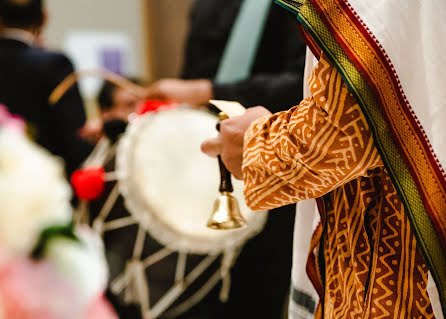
x: 169, y: 186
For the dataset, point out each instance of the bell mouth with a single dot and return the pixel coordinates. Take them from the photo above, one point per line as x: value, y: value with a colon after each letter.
x: 226, y: 225
x: 226, y: 214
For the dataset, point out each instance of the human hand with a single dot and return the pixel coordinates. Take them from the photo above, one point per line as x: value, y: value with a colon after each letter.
x: 194, y: 92
x: 229, y: 143
x: 91, y: 131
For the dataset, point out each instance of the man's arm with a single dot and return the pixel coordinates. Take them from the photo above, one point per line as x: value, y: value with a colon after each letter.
x: 276, y: 91
x: 67, y: 116
x: 276, y: 81
x: 311, y: 149
x: 301, y: 153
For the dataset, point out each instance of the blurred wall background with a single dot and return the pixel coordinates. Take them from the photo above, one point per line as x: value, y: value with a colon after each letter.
x: 168, y: 25
x: 153, y: 30
x: 156, y: 29
x: 67, y: 16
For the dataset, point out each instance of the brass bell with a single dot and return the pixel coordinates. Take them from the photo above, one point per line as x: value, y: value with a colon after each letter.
x: 226, y: 213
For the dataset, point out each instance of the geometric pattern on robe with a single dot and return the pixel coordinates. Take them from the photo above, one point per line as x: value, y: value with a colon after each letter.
x: 368, y: 263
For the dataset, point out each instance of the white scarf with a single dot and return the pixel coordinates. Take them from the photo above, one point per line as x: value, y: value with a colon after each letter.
x: 413, y: 34
x: 307, y: 218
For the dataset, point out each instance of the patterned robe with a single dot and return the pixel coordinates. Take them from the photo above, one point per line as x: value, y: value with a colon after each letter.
x: 368, y: 264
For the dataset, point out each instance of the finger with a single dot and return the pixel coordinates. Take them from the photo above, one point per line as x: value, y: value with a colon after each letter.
x: 238, y: 172
x: 233, y: 164
x: 153, y: 92
x: 212, y: 147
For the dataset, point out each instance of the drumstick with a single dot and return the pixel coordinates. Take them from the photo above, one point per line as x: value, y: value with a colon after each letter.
x: 114, y: 78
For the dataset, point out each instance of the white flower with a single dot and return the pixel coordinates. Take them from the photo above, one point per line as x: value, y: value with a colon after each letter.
x: 33, y: 192
x: 83, y: 263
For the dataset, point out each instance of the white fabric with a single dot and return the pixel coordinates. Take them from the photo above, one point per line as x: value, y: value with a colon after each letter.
x: 307, y: 218
x: 413, y: 34
x: 434, y: 297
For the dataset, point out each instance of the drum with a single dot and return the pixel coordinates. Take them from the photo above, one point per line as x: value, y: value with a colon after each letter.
x: 169, y: 188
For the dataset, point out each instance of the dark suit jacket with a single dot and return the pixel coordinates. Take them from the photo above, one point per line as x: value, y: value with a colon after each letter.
x: 276, y: 80
x: 27, y: 78
x: 261, y: 275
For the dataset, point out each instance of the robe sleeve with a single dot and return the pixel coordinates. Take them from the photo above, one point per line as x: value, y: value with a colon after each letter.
x: 311, y: 149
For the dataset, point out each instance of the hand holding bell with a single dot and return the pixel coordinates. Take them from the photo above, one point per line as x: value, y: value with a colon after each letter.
x: 226, y: 212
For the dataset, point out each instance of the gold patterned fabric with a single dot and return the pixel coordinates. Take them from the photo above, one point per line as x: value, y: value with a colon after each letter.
x: 370, y: 265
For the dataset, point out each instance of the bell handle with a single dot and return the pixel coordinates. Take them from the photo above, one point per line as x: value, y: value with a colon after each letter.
x: 225, y: 178
x: 225, y: 175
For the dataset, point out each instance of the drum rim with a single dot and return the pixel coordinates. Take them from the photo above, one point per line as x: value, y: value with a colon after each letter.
x: 156, y: 227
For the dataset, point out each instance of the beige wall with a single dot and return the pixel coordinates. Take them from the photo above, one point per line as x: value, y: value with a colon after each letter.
x: 125, y: 16
x: 157, y: 29
x: 167, y: 25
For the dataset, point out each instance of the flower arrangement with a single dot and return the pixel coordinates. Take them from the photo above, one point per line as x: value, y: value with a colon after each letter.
x: 48, y: 269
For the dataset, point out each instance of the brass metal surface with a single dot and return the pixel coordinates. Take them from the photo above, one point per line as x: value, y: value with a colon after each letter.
x: 226, y: 213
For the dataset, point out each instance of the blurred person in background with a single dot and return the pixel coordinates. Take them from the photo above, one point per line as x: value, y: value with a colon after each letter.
x: 261, y: 275
x: 30, y: 73
x: 115, y: 105
x: 115, y: 102
x: 276, y: 78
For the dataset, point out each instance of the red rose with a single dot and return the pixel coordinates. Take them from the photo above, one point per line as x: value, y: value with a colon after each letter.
x: 88, y: 183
